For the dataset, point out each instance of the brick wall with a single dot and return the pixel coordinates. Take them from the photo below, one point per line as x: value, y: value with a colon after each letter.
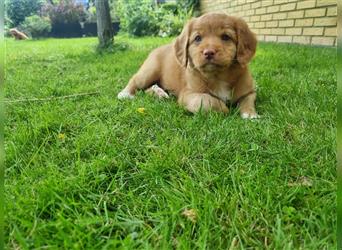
x: 291, y: 21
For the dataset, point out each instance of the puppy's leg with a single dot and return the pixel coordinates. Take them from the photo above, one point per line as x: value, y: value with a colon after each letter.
x: 247, y: 107
x: 157, y: 91
x: 148, y: 73
x: 195, y: 102
x: 244, y: 94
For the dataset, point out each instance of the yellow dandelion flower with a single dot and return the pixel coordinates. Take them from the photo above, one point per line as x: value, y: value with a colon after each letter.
x: 61, y: 136
x: 141, y: 110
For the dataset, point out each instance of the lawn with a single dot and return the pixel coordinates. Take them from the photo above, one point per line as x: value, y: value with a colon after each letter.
x: 93, y: 172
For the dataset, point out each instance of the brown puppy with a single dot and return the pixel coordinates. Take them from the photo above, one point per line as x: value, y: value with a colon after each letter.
x: 205, y: 66
x: 18, y: 35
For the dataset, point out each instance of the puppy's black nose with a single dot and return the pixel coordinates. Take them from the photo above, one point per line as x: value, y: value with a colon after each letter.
x: 209, y: 53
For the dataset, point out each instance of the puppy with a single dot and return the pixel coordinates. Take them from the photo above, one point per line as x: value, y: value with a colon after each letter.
x: 205, y: 67
x: 18, y: 35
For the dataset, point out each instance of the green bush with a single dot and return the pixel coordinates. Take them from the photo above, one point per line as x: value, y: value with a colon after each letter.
x: 171, y: 19
x: 18, y: 10
x: 144, y: 18
x: 137, y: 18
x: 7, y: 26
x: 36, y: 26
x: 189, y: 5
x: 91, y: 15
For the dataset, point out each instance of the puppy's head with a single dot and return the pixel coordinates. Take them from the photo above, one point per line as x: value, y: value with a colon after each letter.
x: 215, y: 41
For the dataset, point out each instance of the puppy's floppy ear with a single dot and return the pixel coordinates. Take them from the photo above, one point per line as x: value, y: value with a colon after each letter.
x: 181, y: 44
x: 246, y: 42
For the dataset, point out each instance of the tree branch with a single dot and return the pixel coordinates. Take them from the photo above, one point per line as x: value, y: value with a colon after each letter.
x: 52, y: 98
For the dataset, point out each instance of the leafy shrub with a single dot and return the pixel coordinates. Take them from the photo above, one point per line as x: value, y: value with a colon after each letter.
x: 189, y: 5
x: 137, y: 18
x: 143, y: 18
x: 7, y: 26
x: 113, y: 9
x: 91, y: 15
x: 36, y: 26
x: 171, y: 19
x: 170, y: 7
x: 18, y: 10
x: 65, y: 11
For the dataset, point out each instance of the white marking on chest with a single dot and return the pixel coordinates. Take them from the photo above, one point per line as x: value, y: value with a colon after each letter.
x: 222, y: 91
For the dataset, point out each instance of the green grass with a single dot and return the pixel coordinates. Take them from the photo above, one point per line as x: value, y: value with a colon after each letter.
x: 121, y: 179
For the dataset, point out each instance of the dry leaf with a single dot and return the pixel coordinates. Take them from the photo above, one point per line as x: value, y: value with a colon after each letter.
x: 190, y: 214
x: 301, y: 181
x: 175, y: 242
x: 234, y: 244
x: 266, y: 242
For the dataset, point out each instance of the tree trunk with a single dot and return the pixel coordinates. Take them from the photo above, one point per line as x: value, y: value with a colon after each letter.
x: 104, y: 24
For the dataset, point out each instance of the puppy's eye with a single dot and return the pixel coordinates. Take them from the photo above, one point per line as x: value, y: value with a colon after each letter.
x: 198, y: 38
x: 225, y: 37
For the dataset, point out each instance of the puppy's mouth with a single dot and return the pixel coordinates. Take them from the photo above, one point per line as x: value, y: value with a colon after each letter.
x: 210, y: 65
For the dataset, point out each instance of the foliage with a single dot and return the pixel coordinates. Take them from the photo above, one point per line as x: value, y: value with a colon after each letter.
x: 65, y: 11
x: 143, y: 18
x: 189, y: 4
x: 7, y: 26
x: 94, y: 173
x: 137, y: 17
x: 36, y: 26
x: 171, y: 19
x: 18, y: 10
x: 91, y: 15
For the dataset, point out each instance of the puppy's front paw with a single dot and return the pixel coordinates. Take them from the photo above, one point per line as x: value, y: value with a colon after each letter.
x: 246, y: 115
x: 124, y: 94
x: 157, y: 91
